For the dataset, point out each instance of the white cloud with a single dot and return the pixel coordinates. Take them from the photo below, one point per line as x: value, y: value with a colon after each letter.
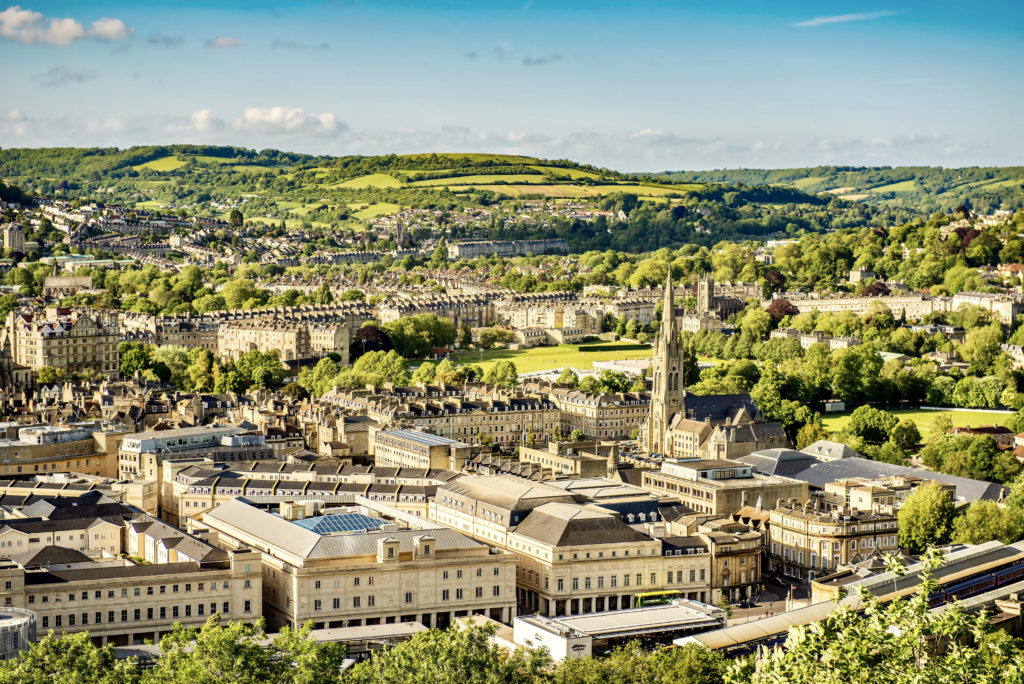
x: 109, y: 29
x: 842, y: 18
x: 15, y: 115
x: 223, y: 42
x: 28, y: 26
x: 205, y: 120
x: 288, y: 120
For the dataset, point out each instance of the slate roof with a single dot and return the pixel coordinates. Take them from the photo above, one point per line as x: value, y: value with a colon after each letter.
x: 507, y: 491
x: 817, y: 473
x: 561, y: 524
x: 108, y: 572
x: 49, y: 555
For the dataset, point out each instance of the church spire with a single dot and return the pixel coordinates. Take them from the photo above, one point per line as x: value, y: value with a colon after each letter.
x: 668, y: 311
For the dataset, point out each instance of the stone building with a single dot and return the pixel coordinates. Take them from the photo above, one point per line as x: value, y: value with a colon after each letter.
x: 806, y: 541
x: 354, y: 568
x: 70, y: 340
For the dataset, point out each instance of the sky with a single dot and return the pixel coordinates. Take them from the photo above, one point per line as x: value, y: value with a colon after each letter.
x: 630, y: 85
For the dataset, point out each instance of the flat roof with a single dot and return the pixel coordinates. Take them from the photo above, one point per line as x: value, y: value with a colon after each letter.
x: 683, y: 614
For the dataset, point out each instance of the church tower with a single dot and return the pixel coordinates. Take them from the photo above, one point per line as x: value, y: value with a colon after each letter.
x: 705, y: 294
x: 668, y: 396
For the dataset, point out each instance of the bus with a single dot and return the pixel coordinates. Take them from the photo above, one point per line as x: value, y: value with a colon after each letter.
x: 655, y: 598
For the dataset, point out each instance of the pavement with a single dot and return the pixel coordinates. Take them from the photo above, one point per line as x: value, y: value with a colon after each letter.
x: 771, y: 601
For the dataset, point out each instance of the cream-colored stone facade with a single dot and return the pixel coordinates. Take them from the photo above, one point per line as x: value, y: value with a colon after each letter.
x: 432, y: 576
x: 572, y: 559
x: 70, y: 340
x: 806, y: 542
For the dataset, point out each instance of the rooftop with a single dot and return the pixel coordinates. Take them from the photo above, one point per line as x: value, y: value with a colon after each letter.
x: 677, y: 615
x: 424, y: 438
x: 341, y: 522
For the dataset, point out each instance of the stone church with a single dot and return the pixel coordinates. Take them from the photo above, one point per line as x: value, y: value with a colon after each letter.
x: 685, y: 425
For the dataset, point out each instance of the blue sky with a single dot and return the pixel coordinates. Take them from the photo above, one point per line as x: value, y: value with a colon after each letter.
x: 630, y: 85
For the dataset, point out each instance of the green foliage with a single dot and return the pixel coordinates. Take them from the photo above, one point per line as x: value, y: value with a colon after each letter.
x: 415, y: 336
x: 986, y: 520
x: 216, y: 653
x: 380, y: 367
x: 68, y: 659
x: 905, y: 435
x: 425, y: 373
x: 926, y: 518
x: 607, y: 382
x: 871, y: 424
x: 490, y: 337
x: 810, y: 433
x: 233, y: 653
x: 502, y: 374
x: 462, y: 655
x: 135, y: 356
x: 48, y: 376
x: 898, y: 642
x: 261, y: 369
x: 568, y: 377
x: 977, y: 457
x: 690, y: 664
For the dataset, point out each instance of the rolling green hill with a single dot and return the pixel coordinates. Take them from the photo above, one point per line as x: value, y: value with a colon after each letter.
x: 925, y: 187
x: 344, y: 193
x: 320, y: 189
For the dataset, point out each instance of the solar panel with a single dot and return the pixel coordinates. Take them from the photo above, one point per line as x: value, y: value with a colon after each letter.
x: 342, y: 522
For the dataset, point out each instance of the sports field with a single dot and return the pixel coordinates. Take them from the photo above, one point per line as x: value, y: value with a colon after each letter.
x: 925, y: 420
x: 547, y: 358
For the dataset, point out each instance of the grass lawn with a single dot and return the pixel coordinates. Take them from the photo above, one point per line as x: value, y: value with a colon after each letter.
x: 374, y: 210
x: 547, y: 358
x: 161, y: 164
x: 925, y: 420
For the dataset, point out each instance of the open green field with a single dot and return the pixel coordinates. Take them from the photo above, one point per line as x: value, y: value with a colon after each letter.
x: 208, y: 159
x: 374, y: 180
x: 902, y: 186
x: 804, y: 183
x: 150, y: 204
x: 925, y: 420
x: 547, y: 358
x: 375, y: 210
x: 161, y: 164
